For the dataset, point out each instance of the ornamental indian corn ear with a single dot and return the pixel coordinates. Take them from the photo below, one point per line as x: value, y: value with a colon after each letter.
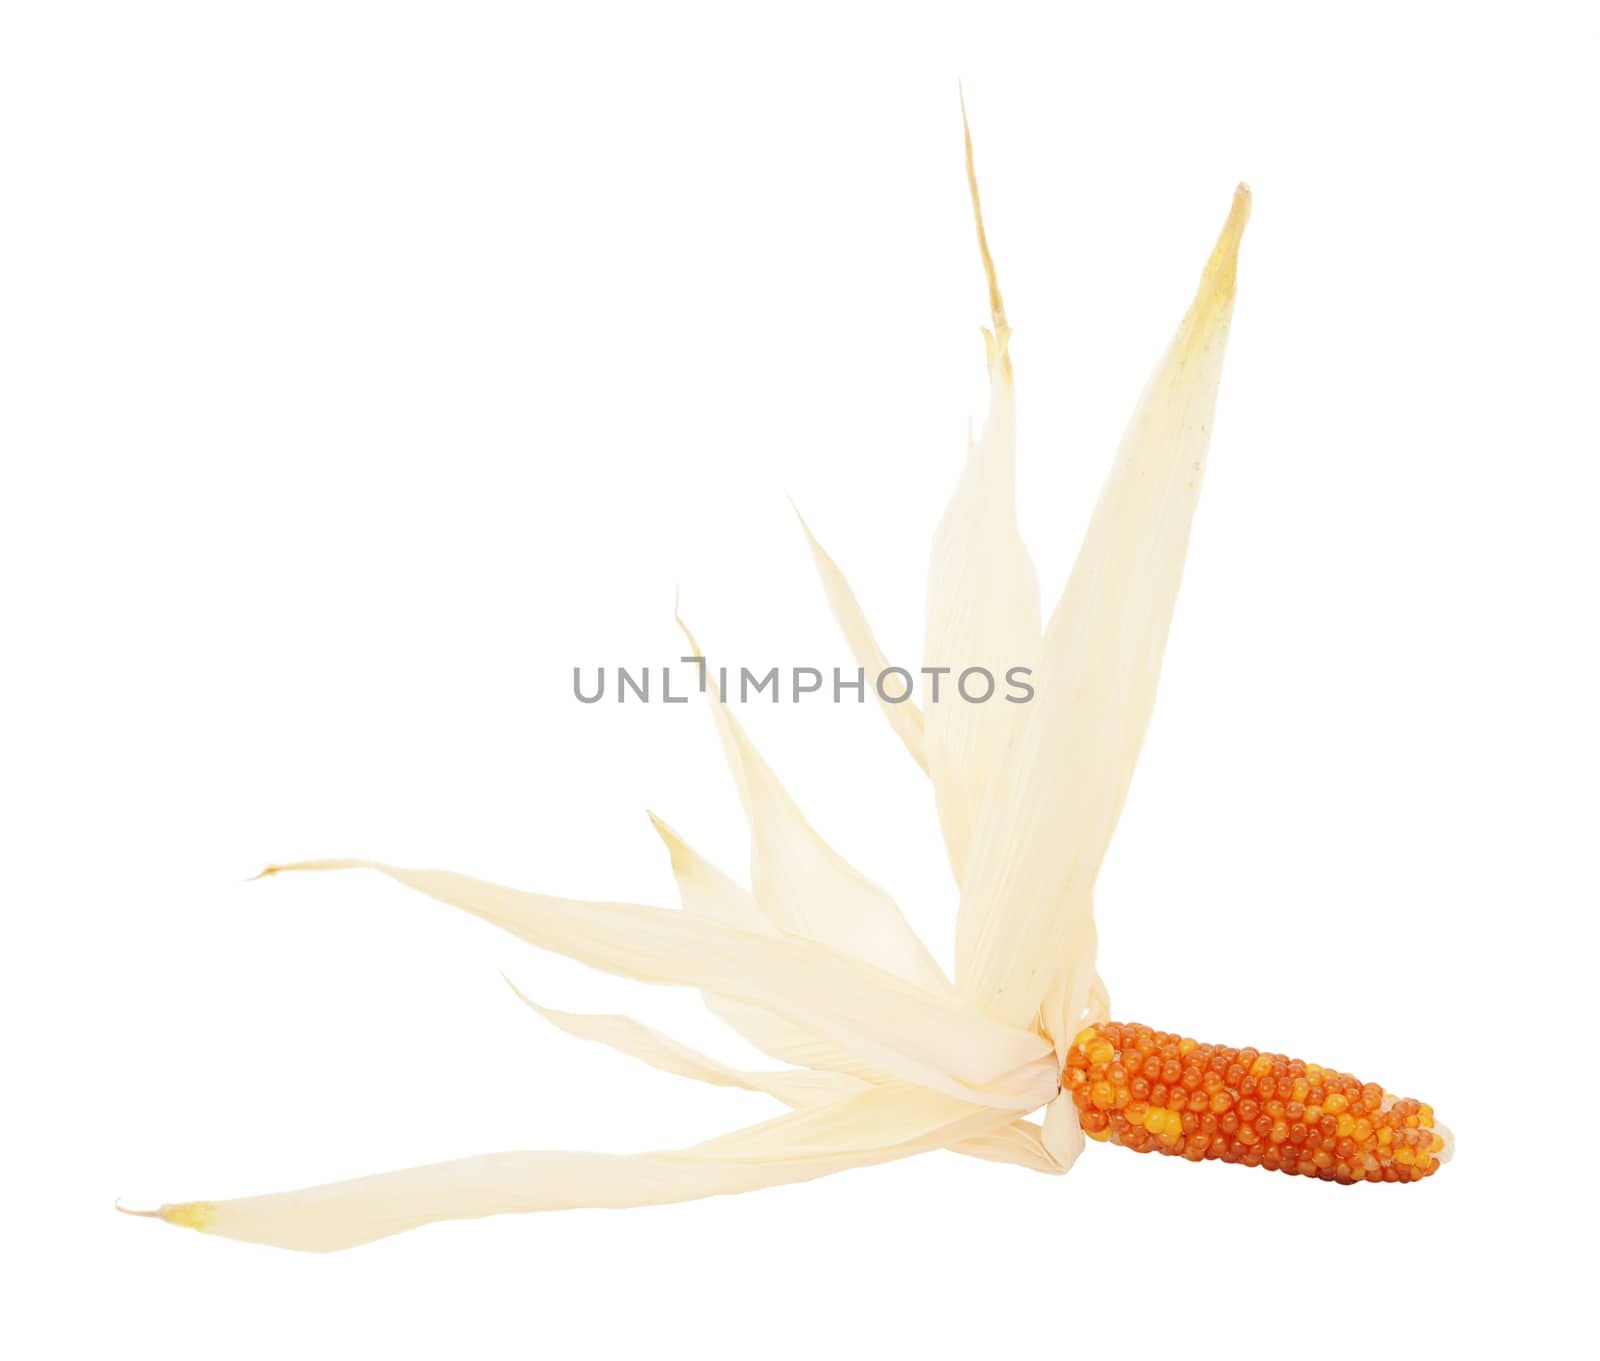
x: 1159, y: 1093
x: 817, y: 966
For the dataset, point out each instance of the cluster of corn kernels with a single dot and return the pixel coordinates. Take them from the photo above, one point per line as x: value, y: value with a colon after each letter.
x: 1159, y: 1093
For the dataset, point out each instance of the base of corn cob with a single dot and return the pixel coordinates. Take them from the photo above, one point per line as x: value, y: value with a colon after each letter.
x: 1155, y: 1092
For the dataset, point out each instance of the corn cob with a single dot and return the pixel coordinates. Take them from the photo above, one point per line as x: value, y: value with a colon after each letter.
x: 1155, y: 1092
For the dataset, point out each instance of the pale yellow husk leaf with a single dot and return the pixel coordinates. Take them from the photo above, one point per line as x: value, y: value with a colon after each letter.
x: 983, y: 599
x: 802, y: 884
x: 795, y: 1087
x: 702, y: 887
x: 877, y: 1126
x: 1026, y: 910
x: 705, y: 889
x: 904, y: 716
x: 905, y: 1031
x: 1021, y: 1143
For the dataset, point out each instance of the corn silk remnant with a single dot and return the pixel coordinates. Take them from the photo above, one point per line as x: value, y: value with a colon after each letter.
x: 885, y: 1055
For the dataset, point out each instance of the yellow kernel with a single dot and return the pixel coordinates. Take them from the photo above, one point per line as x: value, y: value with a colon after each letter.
x: 1101, y: 1052
x: 1102, y: 1095
x: 1405, y: 1156
x: 1084, y: 1036
x: 1385, y: 1137
x: 1347, y: 1125
x: 1425, y: 1114
x: 1261, y: 1067
x: 1301, y: 1089
x: 1156, y: 1120
x: 1185, y: 1047
x: 1174, y: 1123
x: 1335, y: 1103
x: 1437, y: 1145
x: 1099, y: 1135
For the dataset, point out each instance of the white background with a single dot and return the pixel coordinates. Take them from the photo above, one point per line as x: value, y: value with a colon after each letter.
x: 366, y: 368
